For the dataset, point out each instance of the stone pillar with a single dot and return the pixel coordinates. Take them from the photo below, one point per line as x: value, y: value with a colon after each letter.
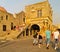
x: 25, y: 33
x: 29, y: 32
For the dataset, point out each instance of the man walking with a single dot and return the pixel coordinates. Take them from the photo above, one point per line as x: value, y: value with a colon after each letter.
x: 56, y: 38
x: 48, y: 34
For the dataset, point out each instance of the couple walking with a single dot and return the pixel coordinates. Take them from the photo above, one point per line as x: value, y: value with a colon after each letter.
x: 55, y: 36
x: 37, y: 39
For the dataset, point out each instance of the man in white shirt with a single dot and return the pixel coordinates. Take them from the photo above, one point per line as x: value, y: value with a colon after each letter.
x: 56, y: 38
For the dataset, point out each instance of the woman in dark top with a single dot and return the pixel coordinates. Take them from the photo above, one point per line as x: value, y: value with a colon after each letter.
x: 39, y: 40
x: 35, y: 41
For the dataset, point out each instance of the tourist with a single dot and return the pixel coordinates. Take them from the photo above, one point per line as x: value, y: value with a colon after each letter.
x: 35, y: 41
x: 39, y: 40
x: 48, y: 34
x: 56, y: 38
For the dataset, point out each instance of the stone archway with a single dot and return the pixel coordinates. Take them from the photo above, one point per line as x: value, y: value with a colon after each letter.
x: 34, y: 28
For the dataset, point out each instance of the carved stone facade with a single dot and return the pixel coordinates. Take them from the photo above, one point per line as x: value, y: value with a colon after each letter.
x: 39, y: 15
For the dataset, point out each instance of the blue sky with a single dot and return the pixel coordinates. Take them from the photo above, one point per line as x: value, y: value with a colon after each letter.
x: 15, y: 6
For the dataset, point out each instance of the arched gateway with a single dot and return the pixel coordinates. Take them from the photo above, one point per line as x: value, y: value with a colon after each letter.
x: 34, y: 28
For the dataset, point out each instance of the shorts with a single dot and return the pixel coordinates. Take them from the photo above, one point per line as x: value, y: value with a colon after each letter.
x: 40, y: 41
x: 48, y: 40
x: 56, y: 41
x: 35, y: 41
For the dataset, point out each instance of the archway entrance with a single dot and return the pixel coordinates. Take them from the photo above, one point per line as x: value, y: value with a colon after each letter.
x: 34, y: 28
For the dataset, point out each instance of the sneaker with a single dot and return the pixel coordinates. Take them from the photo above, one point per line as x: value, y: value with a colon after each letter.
x: 47, y: 48
x: 56, y: 48
x: 39, y: 46
x: 33, y: 44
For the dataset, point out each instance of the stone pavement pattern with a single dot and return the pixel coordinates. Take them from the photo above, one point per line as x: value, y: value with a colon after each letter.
x: 23, y: 46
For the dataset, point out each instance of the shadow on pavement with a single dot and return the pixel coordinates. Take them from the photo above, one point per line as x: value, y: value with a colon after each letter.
x: 58, y: 50
x: 52, y: 44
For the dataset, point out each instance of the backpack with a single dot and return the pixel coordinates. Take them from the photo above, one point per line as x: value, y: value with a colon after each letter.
x: 39, y: 37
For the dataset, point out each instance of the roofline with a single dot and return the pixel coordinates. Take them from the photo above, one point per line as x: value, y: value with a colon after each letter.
x: 37, y: 3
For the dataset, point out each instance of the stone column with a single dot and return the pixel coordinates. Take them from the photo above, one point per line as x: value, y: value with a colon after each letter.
x: 25, y: 33
x: 29, y: 32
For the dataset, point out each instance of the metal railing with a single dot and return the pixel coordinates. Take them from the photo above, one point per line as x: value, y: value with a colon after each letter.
x: 23, y: 29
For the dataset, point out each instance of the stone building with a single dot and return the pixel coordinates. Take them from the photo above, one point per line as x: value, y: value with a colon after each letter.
x: 20, y: 18
x: 38, y: 17
x: 7, y: 22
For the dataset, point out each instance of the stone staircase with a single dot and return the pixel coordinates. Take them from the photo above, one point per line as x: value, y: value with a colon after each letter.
x: 14, y: 34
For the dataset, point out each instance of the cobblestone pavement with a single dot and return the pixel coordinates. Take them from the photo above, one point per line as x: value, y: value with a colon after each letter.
x: 24, y: 46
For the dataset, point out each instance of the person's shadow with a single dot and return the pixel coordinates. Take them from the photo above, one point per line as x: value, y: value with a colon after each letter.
x: 58, y: 49
x: 53, y: 45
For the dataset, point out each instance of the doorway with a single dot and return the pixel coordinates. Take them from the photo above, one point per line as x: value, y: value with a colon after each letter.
x: 34, y: 28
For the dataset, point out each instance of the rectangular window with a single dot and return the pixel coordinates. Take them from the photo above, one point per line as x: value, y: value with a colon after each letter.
x: 1, y: 17
x: 6, y: 17
x: 39, y: 13
x: 12, y: 26
x: 4, y: 27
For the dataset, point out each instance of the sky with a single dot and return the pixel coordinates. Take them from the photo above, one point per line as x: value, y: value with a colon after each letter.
x: 16, y: 6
